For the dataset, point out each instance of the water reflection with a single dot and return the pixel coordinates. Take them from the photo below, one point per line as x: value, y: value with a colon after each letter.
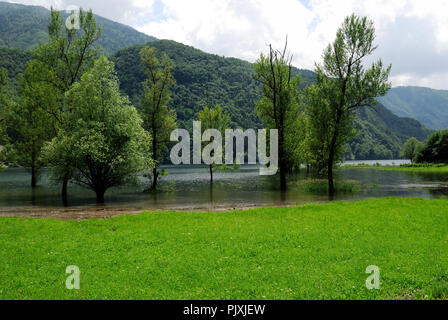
x: 189, y: 188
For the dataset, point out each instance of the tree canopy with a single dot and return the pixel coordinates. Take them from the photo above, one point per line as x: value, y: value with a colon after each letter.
x: 102, y: 137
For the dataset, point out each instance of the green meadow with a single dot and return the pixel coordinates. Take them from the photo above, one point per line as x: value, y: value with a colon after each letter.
x: 317, y: 251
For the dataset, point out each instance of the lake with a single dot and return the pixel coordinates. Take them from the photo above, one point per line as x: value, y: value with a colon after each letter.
x: 188, y: 188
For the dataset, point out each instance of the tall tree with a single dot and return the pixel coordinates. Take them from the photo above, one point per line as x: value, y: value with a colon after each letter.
x: 219, y: 120
x: 5, y: 104
x: 279, y: 107
x: 344, y: 85
x: 158, y: 119
x: 67, y: 55
x: 29, y: 120
x: 102, y: 135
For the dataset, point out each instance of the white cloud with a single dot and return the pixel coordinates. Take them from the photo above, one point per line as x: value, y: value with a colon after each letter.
x: 412, y: 34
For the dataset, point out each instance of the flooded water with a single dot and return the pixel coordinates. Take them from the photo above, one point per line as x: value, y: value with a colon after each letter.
x: 189, y: 188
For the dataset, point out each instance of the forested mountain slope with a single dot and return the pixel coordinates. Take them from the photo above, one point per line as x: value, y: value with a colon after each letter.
x: 25, y: 27
x: 428, y: 106
x: 206, y: 79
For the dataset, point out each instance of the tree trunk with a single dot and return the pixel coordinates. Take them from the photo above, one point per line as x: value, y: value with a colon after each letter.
x: 331, y: 189
x: 331, y: 181
x: 33, y: 177
x: 283, y: 165
x: 155, y: 156
x: 211, y: 174
x: 154, y: 178
x: 64, y: 191
x: 100, y: 196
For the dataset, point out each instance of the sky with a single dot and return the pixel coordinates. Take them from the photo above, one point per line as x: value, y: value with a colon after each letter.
x: 412, y: 35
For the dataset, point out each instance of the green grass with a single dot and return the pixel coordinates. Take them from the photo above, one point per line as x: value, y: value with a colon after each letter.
x: 311, y: 252
x: 424, y: 167
x: 320, y: 186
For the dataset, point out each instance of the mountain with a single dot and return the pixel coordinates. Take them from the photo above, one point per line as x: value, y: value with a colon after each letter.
x: 202, y: 79
x: 428, y: 106
x: 25, y: 27
x: 206, y: 79
x: 381, y: 134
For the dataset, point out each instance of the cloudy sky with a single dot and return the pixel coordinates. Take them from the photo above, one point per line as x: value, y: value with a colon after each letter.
x: 411, y: 34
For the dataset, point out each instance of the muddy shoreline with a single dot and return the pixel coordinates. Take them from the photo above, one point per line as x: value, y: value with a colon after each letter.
x: 85, y: 213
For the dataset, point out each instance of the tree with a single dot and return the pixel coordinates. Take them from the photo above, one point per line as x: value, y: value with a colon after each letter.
x: 218, y: 120
x: 343, y: 86
x: 158, y: 119
x: 279, y: 108
x: 102, y: 135
x: 435, y: 150
x: 67, y: 55
x: 5, y: 104
x: 409, y: 149
x: 29, y: 120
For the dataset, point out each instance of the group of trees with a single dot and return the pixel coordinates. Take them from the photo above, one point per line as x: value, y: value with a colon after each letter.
x: 435, y: 150
x: 319, y: 121
x: 70, y: 115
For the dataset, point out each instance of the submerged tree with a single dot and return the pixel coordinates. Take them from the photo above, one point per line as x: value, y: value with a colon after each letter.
x: 102, y: 136
x: 279, y: 108
x: 213, y: 119
x: 343, y: 85
x: 29, y: 119
x: 158, y: 119
x: 67, y: 55
x: 5, y: 103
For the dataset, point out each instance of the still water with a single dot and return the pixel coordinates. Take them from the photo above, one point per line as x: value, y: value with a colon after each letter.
x: 189, y: 188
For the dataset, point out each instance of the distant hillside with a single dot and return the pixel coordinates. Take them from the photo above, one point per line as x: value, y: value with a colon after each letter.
x: 428, y: 106
x: 14, y: 61
x: 25, y: 27
x: 381, y: 134
x: 206, y: 79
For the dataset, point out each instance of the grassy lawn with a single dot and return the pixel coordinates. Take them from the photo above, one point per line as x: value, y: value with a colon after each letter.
x: 311, y: 252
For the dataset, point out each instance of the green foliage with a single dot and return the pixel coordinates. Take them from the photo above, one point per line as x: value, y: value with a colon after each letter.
x: 344, y: 85
x: 435, y: 150
x: 158, y: 118
x: 14, y: 61
x: 318, y: 186
x: 25, y: 27
x: 203, y: 79
x: 102, y: 137
x: 214, y: 119
x: 4, y: 104
x: 409, y: 149
x: 69, y: 53
x: 380, y: 134
x: 30, y: 119
x: 279, y: 108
